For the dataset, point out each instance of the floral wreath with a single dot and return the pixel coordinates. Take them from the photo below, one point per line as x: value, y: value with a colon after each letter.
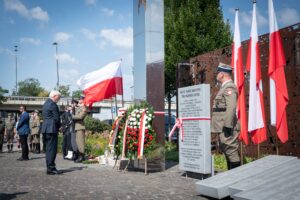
x: 138, y: 125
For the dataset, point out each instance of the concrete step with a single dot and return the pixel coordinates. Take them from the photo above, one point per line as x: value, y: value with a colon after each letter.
x: 268, y: 177
x: 284, y: 188
x: 218, y: 186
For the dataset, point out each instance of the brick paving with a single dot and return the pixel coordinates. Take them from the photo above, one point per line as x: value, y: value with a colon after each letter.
x: 28, y: 180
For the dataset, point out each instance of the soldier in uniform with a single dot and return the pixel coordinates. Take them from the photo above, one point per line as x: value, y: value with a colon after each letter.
x: 80, y: 113
x: 10, y: 125
x: 224, y: 120
x: 35, y: 132
x: 2, y: 128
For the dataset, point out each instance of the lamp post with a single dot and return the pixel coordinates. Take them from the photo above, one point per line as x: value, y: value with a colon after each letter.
x: 16, y: 50
x: 57, y: 84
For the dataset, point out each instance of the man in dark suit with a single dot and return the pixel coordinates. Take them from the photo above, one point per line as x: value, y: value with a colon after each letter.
x: 50, y: 128
x: 23, y: 131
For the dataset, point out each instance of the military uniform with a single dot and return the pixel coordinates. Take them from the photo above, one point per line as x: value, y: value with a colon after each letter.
x: 78, y: 118
x: 9, y: 129
x: 35, y: 133
x: 225, y: 124
x: 2, y: 128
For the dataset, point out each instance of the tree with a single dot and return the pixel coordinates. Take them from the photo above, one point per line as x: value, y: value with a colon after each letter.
x: 2, y: 92
x: 30, y: 87
x: 64, y: 90
x: 76, y: 94
x: 44, y: 93
x: 192, y: 27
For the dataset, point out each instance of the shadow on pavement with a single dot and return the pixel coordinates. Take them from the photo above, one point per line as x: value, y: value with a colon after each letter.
x: 35, y: 158
x: 62, y: 171
x: 7, y: 196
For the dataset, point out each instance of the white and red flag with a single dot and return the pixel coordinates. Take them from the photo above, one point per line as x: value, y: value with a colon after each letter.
x: 256, y: 122
x: 102, y: 84
x: 237, y: 64
x: 278, y: 89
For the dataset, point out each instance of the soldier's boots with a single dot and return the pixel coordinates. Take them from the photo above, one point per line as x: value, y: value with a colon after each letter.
x: 10, y: 148
x: 80, y: 158
x: 75, y: 156
x: 37, y: 148
x: 234, y: 164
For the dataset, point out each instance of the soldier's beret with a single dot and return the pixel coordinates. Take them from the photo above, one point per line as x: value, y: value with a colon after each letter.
x: 224, y: 68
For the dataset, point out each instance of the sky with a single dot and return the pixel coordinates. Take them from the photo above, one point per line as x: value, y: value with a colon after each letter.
x: 90, y: 34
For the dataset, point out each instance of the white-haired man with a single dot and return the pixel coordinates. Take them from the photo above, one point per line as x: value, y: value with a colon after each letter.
x: 50, y: 128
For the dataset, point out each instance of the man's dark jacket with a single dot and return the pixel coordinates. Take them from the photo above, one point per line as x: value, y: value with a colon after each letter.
x: 51, y: 118
x: 23, y: 124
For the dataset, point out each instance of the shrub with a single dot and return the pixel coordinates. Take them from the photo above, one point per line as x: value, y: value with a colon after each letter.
x: 95, y: 125
x: 171, y: 151
x: 95, y: 145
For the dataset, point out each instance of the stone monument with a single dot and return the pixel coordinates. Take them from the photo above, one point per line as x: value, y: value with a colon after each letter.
x: 195, y: 148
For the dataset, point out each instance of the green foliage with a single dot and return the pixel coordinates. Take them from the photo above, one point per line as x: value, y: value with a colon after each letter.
x: 30, y: 87
x: 44, y: 93
x: 95, y: 125
x: 191, y: 28
x: 64, y: 90
x: 76, y: 94
x: 2, y: 92
x: 171, y: 152
x: 95, y: 145
x: 221, y: 164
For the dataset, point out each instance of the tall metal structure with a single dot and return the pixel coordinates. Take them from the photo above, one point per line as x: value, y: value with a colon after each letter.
x: 16, y: 54
x: 57, y: 84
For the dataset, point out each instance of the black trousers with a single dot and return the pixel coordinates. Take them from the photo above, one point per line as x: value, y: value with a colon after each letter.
x: 51, y: 140
x: 24, y: 146
x: 66, y: 144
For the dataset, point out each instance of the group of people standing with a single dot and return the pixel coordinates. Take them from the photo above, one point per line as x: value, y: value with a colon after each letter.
x: 74, y: 128
x: 29, y: 126
x: 35, y: 136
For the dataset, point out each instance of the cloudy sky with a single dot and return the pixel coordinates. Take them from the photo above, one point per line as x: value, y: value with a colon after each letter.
x: 90, y: 34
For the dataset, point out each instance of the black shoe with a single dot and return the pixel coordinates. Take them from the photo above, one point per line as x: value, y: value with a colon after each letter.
x: 53, y: 172
x: 22, y: 159
x: 80, y: 159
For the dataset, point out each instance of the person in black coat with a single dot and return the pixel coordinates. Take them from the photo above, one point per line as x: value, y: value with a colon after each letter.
x: 50, y: 128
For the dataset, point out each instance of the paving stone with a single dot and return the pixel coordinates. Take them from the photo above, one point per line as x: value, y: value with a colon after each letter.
x: 28, y: 180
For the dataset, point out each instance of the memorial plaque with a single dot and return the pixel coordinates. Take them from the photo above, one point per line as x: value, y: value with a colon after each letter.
x: 195, y: 149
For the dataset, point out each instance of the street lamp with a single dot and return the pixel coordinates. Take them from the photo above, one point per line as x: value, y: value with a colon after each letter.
x: 57, y: 84
x: 16, y: 50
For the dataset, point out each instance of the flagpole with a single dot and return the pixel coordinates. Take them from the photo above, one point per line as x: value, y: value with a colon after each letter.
x: 122, y: 101
x: 276, y: 143
x: 111, y: 105
x: 258, y: 151
x: 242, y: 154
x: 116, y: 104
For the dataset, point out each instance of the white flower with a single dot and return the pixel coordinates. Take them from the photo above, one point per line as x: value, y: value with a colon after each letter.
x: 134, y: 123
x: 150, y: 115
x: 149, y: 126
x: 138, y: 115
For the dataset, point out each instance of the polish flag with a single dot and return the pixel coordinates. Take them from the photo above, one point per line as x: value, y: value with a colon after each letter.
x: 256, y: 122
x: 237, y: 63
x: 278, y: 89
x: 102, y: 84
